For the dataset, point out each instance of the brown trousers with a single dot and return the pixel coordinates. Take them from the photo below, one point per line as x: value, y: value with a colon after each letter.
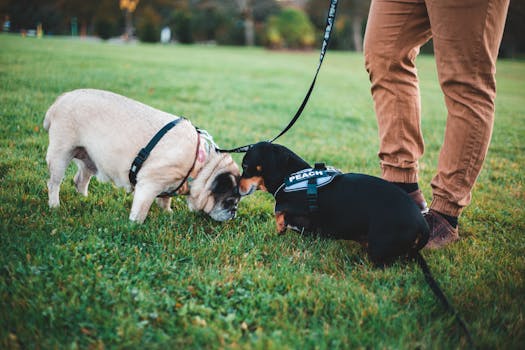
x: 466, y: 36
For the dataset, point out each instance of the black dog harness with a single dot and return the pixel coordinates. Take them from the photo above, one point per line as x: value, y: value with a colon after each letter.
x: 145, y: 152
x: 309, y: 180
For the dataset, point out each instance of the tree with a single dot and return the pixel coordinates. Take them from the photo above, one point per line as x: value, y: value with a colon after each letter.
x: 246, y: 10
x: 148, y: 28
x: 291, y: 28
x: 513, y: 41
x: 250, y: 12
x: 129, y: 7
x: 83, y: 11
x: 358, y: 15
x: 223, y: 21
x: 26, y: 14
x: 349, y: 23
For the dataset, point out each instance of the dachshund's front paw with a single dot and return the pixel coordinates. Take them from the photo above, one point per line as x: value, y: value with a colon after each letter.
x: 280, y: 222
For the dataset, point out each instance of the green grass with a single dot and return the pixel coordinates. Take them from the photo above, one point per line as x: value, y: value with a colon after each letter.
x: 82, y: 276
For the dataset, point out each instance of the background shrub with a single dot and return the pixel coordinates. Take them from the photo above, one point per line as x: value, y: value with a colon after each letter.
x: 230, y: 32
x: 104, y: 28
x: 290, y: 28
x: 148, y: 28
x: 182, y: 26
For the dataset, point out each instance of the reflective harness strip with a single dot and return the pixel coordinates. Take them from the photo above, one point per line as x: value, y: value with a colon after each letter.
x: 309, y: 180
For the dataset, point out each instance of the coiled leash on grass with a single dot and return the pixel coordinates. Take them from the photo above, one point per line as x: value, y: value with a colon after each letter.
x: 328, y: 31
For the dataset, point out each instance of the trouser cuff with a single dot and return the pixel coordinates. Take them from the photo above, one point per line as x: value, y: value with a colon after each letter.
x: 399, y: 175
x: 443, y: 206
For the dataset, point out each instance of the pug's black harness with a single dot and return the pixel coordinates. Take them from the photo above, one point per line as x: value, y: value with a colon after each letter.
x: 145, y: 152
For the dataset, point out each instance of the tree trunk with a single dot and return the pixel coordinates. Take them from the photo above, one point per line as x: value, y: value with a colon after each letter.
x: 357, y: 35
x: 249, y: 33
x: 246, y: 10
x: 129, y: 26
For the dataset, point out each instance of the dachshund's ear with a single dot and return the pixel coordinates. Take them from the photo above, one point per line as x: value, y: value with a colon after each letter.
x: 281, y: 157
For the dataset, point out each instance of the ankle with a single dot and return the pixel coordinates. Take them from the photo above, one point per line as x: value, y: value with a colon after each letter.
x: 407, y: 187
x: 452, y: 220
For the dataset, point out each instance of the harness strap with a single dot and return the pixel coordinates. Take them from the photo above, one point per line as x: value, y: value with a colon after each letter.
x: 326, y: 39
x: 174, y: 192
x: 311, y: 190
x: 311, y: 195
x: 144, y: 152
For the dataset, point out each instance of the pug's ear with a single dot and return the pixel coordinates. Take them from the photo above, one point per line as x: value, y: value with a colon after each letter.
x: 223, y: 183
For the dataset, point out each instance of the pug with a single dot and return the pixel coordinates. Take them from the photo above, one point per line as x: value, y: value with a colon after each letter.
x: 103, y: 133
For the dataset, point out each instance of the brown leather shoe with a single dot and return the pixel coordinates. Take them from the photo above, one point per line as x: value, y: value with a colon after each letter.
x: 441, y: 232
x: 417, y: 196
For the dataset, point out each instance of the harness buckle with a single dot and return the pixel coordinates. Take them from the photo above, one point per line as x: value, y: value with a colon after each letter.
x: 320, y: 166
x: 142, y: 155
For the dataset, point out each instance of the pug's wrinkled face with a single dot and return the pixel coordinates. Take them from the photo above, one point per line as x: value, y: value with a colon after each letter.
x: 226, y: 197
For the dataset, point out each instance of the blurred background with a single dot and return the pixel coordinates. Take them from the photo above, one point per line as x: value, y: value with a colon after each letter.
x: 275, y: 24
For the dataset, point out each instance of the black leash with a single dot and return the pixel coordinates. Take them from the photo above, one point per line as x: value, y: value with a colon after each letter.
x: 440, y: 295
x: 329, y: 25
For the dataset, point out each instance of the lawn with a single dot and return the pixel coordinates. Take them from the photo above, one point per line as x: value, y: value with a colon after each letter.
x: 83, y: 276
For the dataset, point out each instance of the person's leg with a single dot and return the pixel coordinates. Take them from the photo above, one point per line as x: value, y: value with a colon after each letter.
x: 395, y: 31
x: 466, y: 36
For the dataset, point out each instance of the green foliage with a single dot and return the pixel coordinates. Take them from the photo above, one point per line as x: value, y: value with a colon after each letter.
x: 290, y: 28
x: 206, y: 25
x: 104, y: 28
x: 230, y: 32
x: 82, y: 276
x: 182, y: 26
x: 274, y: 39
x: 350, y: 13
x: 148, y: 28
x: 105, y: 19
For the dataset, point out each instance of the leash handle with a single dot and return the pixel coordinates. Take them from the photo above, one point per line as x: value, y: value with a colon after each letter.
x: 326, y: 39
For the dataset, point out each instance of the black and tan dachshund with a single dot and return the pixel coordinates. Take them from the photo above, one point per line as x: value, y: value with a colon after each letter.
x: 355, y: 207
